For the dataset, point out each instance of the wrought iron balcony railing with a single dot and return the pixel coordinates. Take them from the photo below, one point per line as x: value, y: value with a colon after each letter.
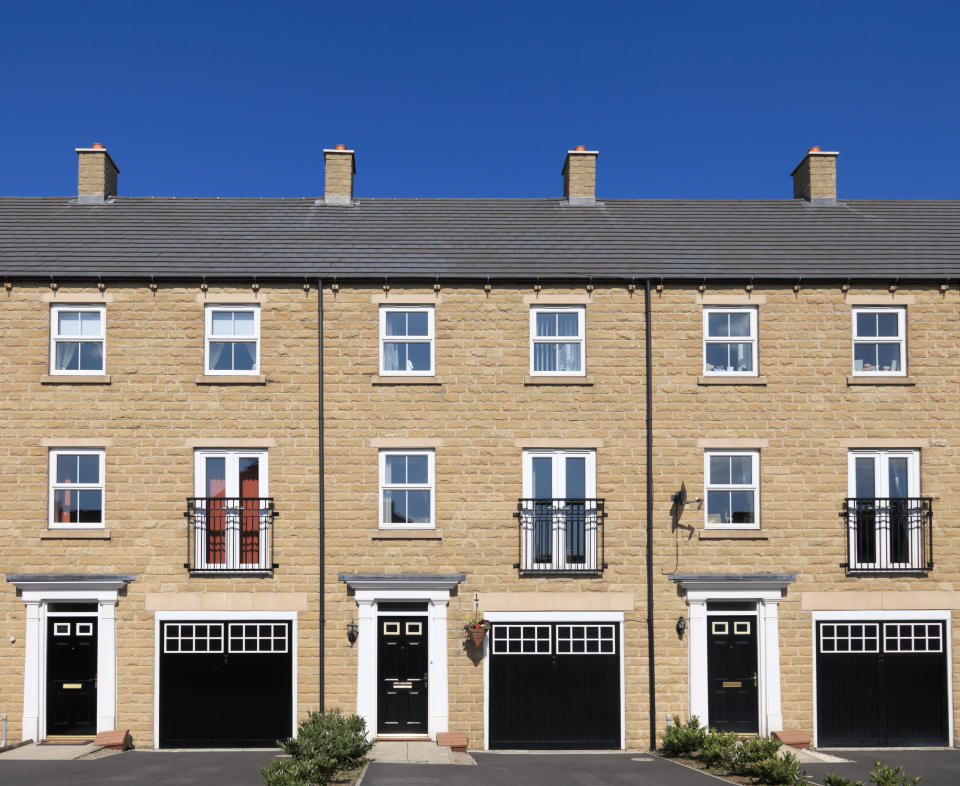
x: 561, y: 537
x: 230, y: 535
x: 888, y: 534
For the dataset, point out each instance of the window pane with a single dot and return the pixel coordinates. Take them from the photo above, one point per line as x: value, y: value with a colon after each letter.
x: 546, y: 324
x: 90, y: 323
x: 68, y: 323
x: 89, y: 468
x: 718, y: 325
x: 417, y: 323
x: 67, y: 468
x: 396, y: 323
x: 418, y: 357
x: 740, y: 324
x: 718, y: 507
x: 864, y: 357
x: 897, y: 472
x: 719, y: 469
x: 741, y: 357
x: 417, y: 469
x: 394, y: 356
x: 244, y: 356
x: 395, y: 506
x: 67, y: 356
x: 395, y: 470
x: 887, y: 324
x: 576, y: 478
x: 567, y: 324
x: 864, y: 471
x: 90, y: 507
x: 543, y: 478
x: 243, y: 323
x: 568, y: 357
x: 741, y: 469
x: 221, y: 323
x: 91, y: 356
x: 220, y: 356
x: 545, y: 357
x: 717, y: 357
x: 248, y: 468
x: 888, y: 357
x: 216, y: 469
x: 741, y: 503
x: 866, y: 325
x: 65, y: 507
x: 418, y: 506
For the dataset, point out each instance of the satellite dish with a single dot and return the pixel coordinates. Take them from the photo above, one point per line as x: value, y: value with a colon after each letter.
x: 680, y: 497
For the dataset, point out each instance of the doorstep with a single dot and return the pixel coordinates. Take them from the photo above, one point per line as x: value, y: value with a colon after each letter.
x: 415, y: 752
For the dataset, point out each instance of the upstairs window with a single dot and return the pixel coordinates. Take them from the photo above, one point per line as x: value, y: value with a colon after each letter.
x: 77, y: 339
x: 733, y: 489
x: 557, y: 341
x: 76, y: 488
x: 879, y: 342
x: 232, y: 340
x: 406, y: 341
x: 730, y: 341
x: 406, y: 488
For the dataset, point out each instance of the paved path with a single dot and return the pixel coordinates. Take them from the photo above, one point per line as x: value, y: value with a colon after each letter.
x: 34, y: 752
x: 937, y: 767
x: 395, y: 752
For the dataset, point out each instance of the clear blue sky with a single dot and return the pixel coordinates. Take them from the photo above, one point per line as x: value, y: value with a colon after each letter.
x: 683, y: 99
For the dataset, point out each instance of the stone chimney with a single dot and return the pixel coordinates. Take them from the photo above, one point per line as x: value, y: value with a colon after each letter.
x: 815, y: 178
x: 340, y: 167
x: 97, y: 175
x: 580, y: 176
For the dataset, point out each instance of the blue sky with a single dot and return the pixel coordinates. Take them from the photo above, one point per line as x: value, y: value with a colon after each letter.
x: 683, y: 99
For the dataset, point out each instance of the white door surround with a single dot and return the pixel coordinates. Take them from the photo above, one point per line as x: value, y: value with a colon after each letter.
x: 767, y: 590
x: 435, y: 590
x: 38, y: 590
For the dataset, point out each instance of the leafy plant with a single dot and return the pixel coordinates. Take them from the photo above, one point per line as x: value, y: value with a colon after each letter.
x: 718, y: 748
x: 753, y: 751
x: 683, y: 739
x: 883, y: 775
x: 780, y: 770
x: 326, y: 743
x: 831, y: 779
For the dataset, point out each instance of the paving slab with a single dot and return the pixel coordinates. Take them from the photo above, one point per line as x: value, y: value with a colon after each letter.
x: 48, y: 752
x: 401, y: 752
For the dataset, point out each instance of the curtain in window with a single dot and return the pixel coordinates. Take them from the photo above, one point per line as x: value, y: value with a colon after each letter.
x: 68, y: 356
x: 568, y: 357
x: 250, y: 511
x: 216, y: 492
x: 544, y: 357
x: 391, y: 356
x: 217, y: 349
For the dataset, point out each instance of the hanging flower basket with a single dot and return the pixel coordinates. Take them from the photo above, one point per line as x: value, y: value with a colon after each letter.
x: 476, y: 628
x: 477, y: 635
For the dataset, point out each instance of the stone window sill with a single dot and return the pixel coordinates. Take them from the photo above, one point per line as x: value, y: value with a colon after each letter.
x: 75, y: 379
x: 75, y: 534
x: 400, y: 379
x: 731, y: 380
x: 232, y: 379
x: 853, y: 380
x: 406, y: 534
x: 558, y: 380
x: 733, y: 534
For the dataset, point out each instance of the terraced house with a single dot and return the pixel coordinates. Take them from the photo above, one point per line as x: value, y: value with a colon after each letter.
x: 687, y: 457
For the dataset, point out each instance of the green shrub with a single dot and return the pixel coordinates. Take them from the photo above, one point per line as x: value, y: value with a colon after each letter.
x: 830, y: 779
x: 883, y: 775
x: 780, y: 770
x: 753, y: 751
x: 718, y: 748
x: 683, y: 739
x: 326, y: 743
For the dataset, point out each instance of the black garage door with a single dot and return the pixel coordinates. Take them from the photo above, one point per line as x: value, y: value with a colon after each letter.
x: 881, y: 683
x: 555, y: 685
x: 225, y: 684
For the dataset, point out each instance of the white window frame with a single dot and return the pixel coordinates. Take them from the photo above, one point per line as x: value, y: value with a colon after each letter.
x: 882, y: 479
x: 901, y: 339
x: 558, y: 458
x: 754, y: 487
x: 208, y: 336
x: 55, y: 337
x: 580, y: 338
x: 752, y: 339
x: 428, y: 339
x: 53, y: 486
x: 429, y: 486
x: 232, y: 544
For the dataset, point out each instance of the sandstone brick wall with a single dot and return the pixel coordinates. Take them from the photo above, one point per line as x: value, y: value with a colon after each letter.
x: 151, y: 411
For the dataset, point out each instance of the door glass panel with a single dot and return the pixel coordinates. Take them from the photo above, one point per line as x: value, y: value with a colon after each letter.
x: 216, y: 477
x: 215, y: 545
x: 576, y: 478
x: 899, y: 513
x: 865, y: 481
x: 865, y: 516
x: 543, y: 478
x: 897, y: 474
x: 543, y: 509
x: 249, y: 471
x: 575, y: 509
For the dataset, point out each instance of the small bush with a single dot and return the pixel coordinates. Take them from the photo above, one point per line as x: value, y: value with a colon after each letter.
x: 753, y: 751
x: 830, y: 779
x: 683, y: 739
x: 883, y: 775
x: 326, y: 743
x: 718, y: 748
x: 778, y: 770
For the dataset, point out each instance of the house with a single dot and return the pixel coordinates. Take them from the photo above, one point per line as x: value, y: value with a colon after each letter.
x: 505, y: 407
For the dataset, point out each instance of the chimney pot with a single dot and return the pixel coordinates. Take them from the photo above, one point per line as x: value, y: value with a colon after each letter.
x: 815, y: 177
x: 96, y: 174
x: 814, y: 149
x: 339, y: 168
x: 580, y: 176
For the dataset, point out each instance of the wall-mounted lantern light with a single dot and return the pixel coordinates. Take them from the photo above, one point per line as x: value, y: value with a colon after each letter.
x: 352, y: 631
x: 681, y: 627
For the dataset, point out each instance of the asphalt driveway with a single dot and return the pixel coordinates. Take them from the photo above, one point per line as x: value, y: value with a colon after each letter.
x: 936, y: 767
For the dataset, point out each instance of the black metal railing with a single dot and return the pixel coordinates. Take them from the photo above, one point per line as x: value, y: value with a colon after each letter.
x: 230, y: 535
x: 561, y: 537
x: 888, y: 534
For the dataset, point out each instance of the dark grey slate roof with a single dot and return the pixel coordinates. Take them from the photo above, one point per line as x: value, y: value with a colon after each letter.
x: 474, y: 238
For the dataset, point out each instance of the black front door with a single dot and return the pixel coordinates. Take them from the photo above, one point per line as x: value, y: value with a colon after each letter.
x: 732, y: 673
x: 72, y: 675
x: 402, y: 675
